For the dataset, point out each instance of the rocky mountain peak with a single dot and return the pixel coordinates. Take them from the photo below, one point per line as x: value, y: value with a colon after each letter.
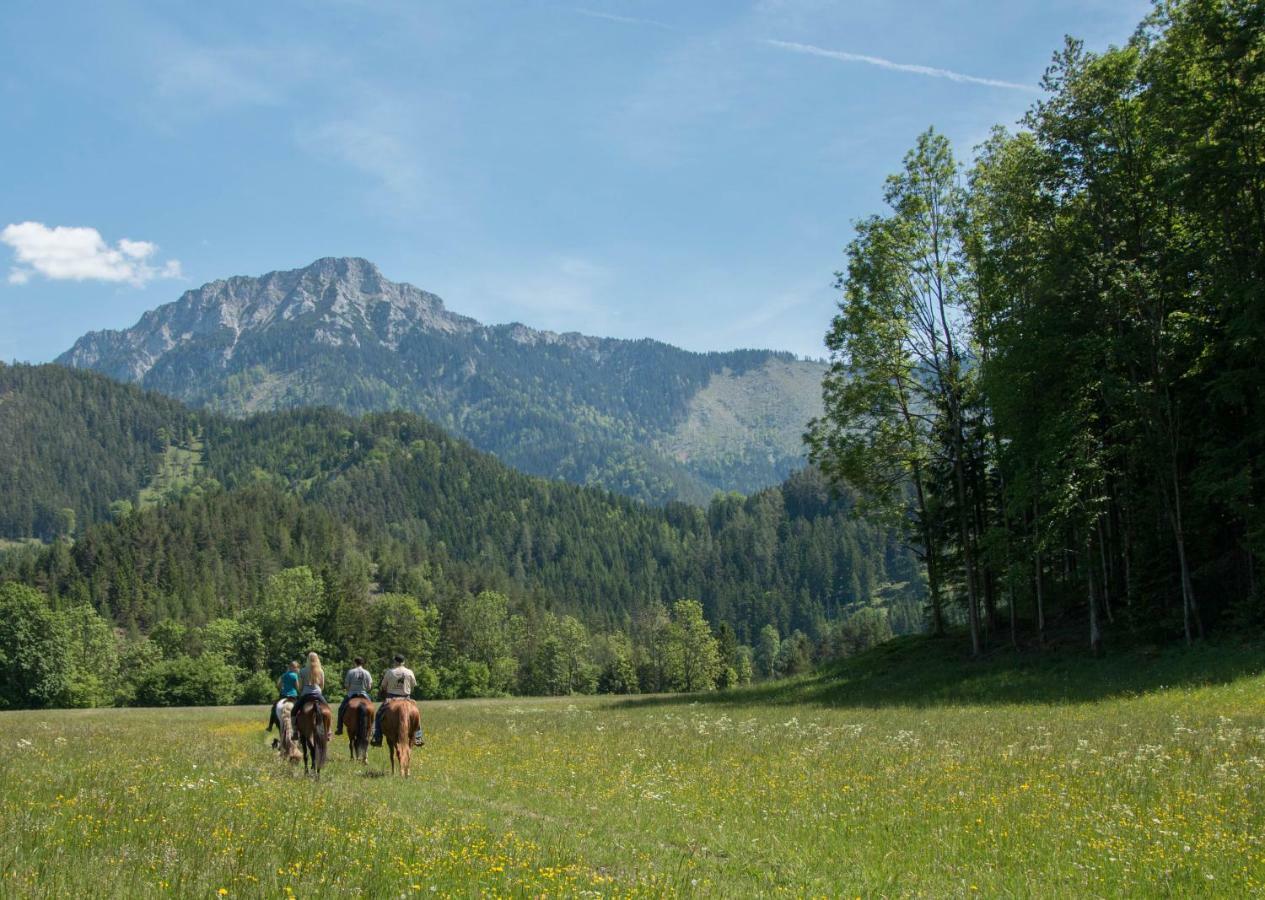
x: 334, y: 300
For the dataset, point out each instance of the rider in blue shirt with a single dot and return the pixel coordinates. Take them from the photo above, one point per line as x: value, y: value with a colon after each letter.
x: 287, y: 686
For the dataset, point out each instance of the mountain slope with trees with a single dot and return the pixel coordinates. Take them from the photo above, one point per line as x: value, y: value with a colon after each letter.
x: 313, y: 528
x: 588, y: 410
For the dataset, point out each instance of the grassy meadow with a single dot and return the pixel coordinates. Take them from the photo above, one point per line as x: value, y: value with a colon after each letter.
x: 1062, y: 777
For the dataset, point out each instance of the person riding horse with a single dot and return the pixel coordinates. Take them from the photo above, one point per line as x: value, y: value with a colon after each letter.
x: 287, y: 686
x: 311, y: 685
x: 358, y: 683
x: 397, y: 684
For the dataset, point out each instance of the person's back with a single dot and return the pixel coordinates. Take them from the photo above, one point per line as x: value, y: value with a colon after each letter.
x: 399, y: 681
x: 358, y: 681
x: 287, y: 686
x: 311, y: 686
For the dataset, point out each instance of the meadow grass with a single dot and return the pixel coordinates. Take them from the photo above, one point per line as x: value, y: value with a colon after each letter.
x: 849, y: 782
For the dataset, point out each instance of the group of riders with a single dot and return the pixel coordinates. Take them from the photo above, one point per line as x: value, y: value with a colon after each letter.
x: 306, y: 686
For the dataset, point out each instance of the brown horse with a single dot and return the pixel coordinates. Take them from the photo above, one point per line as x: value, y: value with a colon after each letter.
x: 357, y: 718
x: 314, y: 723
x: 399, y: 723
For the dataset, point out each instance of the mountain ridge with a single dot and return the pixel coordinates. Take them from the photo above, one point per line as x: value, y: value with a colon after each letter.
x: 587, y: 409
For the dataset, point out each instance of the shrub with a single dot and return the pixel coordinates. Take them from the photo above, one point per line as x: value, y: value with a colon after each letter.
x: 258, y: 688
x: 185, y: 681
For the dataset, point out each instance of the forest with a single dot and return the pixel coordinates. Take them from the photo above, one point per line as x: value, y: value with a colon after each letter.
x: 1042, y: 424
x: 1046, y: 364
x: 237, y: 544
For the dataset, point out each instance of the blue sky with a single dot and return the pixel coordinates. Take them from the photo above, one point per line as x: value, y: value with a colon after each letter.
x: 684, y: 171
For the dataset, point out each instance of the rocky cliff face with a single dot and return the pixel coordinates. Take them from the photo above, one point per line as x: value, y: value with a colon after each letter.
x: 339, y: 300
x: 583, y: 408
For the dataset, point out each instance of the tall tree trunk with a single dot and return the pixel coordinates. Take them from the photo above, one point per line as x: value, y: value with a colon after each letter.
x: 1095, y: 635
x: 1106, y: 573
x: 928, y: 539
x: 1191, y: 622
x: 1036, y: 541
x: 968, y: 557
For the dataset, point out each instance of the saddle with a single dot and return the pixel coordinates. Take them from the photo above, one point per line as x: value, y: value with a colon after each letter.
x: 310, y: 699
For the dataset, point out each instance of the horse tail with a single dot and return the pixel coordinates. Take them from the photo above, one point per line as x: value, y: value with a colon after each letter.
x: 362, y: 725
x: 321, y: 738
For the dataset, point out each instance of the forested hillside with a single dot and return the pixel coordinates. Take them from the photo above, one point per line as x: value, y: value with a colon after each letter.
x: 313, y: 527
x: 622, y: 414
x: 1052, y: 361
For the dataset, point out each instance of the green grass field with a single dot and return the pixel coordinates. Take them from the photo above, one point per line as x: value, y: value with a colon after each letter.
x: 1064, y: 777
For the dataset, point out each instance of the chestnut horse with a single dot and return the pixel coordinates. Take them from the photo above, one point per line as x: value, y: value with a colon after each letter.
x: 399, y: 723
x: 357, y: 718
x: 314, y: 723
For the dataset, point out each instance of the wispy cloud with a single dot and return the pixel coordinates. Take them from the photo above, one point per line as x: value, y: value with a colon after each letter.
x: 63, y: 253
x: 929, y: 71
x: 561, y: 293
x: 626, y: 20
x: 379, y: 139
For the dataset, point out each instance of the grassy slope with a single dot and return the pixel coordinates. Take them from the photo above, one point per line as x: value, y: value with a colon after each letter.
x: 178, y: 469
x: 748, y: 425
x: 948, y: 778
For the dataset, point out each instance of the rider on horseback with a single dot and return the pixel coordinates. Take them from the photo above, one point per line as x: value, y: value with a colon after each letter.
x: 397, y: 684
x: 311, y: 683
x: 357, y: 682
x: 287, y: 686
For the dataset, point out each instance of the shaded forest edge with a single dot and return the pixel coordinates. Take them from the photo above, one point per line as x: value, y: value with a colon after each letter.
x: 924, y: 670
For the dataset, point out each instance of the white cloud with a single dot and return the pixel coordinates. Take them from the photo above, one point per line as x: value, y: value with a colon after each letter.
x: 845, y: 56
x: 64, y: 253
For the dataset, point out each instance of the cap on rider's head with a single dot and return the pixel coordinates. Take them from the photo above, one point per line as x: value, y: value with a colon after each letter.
x: 399, y: 660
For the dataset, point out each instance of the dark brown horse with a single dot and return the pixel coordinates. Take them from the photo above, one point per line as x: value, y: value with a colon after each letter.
x: 399, y: 723
x: 357, y: 719
x: 314, y: 723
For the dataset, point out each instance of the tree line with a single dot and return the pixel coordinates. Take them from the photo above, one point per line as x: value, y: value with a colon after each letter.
x: 469, y: 645
x: 1046, y: 365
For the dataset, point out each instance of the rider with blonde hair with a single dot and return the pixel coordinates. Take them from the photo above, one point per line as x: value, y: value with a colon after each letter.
x: 311, y: 685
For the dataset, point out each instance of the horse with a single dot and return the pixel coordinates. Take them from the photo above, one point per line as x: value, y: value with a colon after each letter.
x: 286, y: 745
x: 357, y: 718
x: 314, y: 722
x: 399, y: 723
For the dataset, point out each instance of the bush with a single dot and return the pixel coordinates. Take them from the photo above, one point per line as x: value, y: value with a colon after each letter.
x: 185, y: 681
x: 258, y: 688
x: 427, y: 683
x: 34, y: 651
x: 473, y: 678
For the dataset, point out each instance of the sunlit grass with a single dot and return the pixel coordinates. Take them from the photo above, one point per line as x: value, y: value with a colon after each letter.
x: 1151, y: 794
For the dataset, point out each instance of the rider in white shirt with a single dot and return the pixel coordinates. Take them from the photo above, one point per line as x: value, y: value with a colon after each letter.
x: 397, y: 683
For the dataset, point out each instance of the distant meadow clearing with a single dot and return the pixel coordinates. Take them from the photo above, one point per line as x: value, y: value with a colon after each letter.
x: 768, y: 793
